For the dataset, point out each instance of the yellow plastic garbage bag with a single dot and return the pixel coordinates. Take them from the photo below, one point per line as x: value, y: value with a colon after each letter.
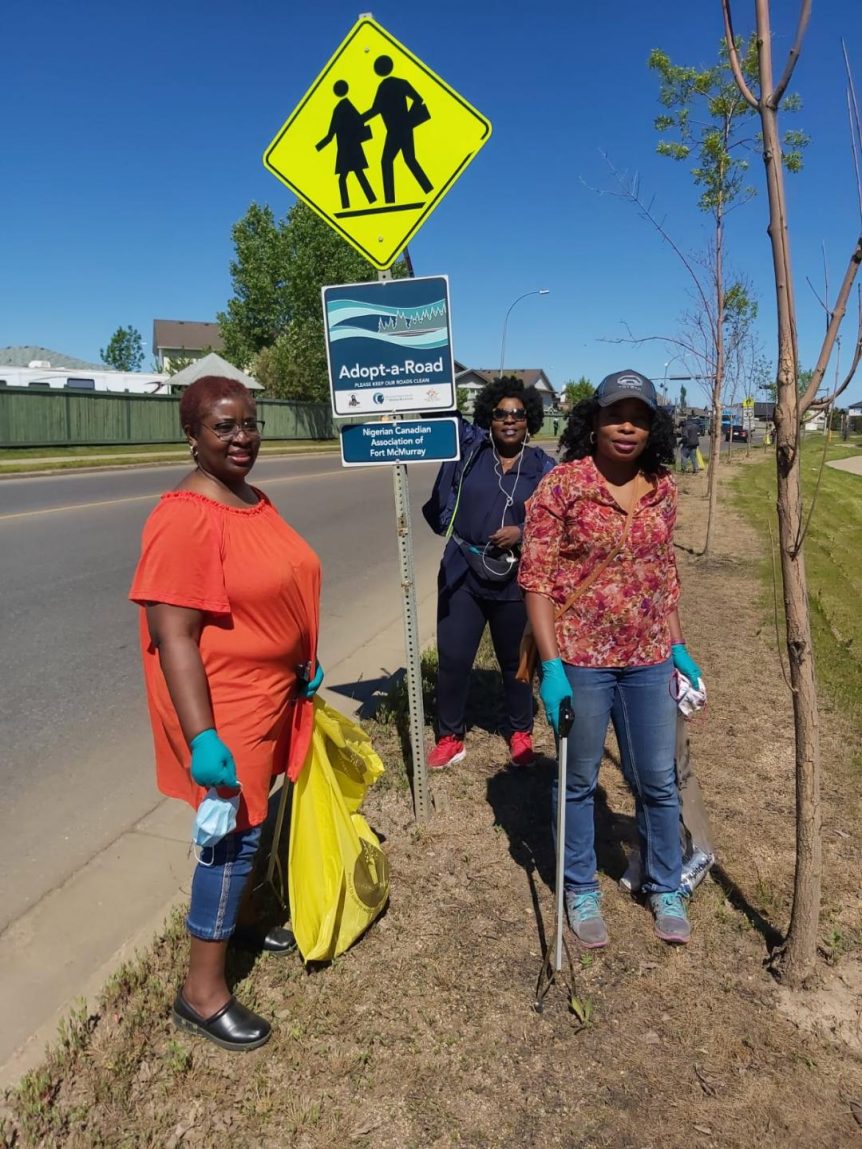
x: 337, y: 874
x: 701, y: 465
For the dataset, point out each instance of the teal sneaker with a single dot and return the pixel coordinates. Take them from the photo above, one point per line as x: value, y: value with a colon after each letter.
x: 671, y: 919
x: 585, y: 918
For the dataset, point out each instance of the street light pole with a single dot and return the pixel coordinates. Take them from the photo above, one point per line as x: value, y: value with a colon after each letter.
x: 538, y: 291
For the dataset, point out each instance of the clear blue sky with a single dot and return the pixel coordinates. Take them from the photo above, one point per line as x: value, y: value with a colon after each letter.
x: 132, y: 140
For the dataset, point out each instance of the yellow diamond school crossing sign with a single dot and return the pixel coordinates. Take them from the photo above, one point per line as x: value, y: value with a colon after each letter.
x: 376, y: 143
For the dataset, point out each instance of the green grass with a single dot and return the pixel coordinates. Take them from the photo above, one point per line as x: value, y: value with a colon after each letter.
x: 833, y: 560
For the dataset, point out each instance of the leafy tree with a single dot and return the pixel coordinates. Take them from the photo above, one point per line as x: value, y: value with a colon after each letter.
x: 708, y: 120
x: 273, y: 325
x: 683, y: 397
x: 574, y: 392
x: 258, y: 311
x: 125, y: 351
x: 463, y: 400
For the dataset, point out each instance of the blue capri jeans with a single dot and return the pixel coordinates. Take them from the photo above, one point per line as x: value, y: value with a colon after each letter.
x: 218, y: 884
x: 638, y: 701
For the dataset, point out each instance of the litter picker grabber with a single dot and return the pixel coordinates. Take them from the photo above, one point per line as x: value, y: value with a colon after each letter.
x: 552, y: 963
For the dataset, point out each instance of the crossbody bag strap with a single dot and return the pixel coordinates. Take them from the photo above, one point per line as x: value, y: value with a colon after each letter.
x: 471, y: 459
x: 641, y: 487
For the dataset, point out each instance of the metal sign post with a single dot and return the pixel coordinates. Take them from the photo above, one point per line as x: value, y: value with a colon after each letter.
x: 421, y: 796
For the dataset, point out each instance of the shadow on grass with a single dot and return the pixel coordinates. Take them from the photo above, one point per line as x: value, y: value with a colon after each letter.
x: 771, y: 936
x: 521, y: 800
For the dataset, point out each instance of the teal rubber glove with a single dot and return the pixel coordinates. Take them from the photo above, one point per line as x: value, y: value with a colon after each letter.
x: 212, y: 762
x: 310, y: 688
x: 685, y: 664
x: 553, y: 689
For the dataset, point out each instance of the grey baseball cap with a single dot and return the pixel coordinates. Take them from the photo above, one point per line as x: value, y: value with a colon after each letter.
x: 626, y: 385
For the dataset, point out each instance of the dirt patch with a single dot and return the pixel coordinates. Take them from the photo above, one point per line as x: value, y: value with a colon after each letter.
x: 425, y: 1034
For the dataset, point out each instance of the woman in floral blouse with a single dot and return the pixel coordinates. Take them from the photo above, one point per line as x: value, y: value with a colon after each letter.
x: 613, y: 653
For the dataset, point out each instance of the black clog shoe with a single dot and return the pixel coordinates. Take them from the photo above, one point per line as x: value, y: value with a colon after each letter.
x: 278, y: 941
x: 232, y: 1027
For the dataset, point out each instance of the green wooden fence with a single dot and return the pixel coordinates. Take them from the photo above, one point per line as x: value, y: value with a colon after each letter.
x: 86, y: 418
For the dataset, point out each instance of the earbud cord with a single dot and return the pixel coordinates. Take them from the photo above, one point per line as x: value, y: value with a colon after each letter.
x: 508, y: 502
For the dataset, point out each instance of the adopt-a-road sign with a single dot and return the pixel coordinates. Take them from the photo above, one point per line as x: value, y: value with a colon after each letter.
x: 389, y: 346
x: 376, y: 142
x: 385, y: 443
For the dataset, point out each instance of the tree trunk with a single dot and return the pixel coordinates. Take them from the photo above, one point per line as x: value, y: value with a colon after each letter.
x: 712, y: 474
x: 717, y: 383
x: 798, y: 960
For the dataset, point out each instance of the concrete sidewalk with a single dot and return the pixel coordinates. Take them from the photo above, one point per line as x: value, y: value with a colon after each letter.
x: 853, y: 464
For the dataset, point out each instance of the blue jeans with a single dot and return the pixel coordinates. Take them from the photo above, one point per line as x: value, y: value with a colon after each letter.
x: 688, y: 455
x: 218, y: 885
x: 638, y: 701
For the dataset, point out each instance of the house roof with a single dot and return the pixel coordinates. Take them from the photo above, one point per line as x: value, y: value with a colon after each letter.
x: 213, y: 364
x: 531, y: 376
x: 22, y: 356
x: 185, y: 335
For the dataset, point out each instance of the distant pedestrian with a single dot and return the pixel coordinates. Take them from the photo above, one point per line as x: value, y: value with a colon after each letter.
x: 689, y: 444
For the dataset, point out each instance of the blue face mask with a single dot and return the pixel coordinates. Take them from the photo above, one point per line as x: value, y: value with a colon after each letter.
x: 215, y: 818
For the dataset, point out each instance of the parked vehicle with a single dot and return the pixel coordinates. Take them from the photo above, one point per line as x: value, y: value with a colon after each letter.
x: 41, y: 376
x: 737, y: 434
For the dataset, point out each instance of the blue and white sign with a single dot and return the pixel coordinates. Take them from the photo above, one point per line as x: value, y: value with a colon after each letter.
x: 400, y: 441
x: 389, y: 346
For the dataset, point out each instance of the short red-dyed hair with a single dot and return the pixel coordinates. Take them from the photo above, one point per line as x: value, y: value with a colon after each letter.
x: 200, y: 396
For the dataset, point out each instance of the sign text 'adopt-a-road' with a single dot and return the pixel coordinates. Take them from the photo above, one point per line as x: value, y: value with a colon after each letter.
x: 403, y: 441
x: 389, y: 346
x: 376, y: 142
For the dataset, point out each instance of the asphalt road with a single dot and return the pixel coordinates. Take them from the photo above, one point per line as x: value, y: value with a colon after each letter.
x: 75, y: 754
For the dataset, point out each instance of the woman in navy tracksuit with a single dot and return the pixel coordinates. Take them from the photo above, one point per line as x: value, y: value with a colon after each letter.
x: 478, y: 504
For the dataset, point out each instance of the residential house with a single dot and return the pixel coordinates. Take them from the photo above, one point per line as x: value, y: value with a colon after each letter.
x: 473, y: 379
x: 181, y: 339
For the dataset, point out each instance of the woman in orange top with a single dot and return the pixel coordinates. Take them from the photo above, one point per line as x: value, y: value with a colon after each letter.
x: 230, y: 609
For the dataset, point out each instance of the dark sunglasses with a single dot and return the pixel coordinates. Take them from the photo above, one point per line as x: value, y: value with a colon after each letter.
x: 500, y: 415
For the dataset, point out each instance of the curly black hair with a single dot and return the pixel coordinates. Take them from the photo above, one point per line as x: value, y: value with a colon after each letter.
x: 509, y: 387
x: 575, y: 440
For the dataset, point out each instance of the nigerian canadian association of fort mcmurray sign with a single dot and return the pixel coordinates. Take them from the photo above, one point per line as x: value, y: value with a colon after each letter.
x: 399, y: 441
x: 389, y: 346
x: 376, y: 142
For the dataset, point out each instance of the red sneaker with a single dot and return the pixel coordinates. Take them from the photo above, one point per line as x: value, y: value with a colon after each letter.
x: 447, y: 752
x: 521, y: 747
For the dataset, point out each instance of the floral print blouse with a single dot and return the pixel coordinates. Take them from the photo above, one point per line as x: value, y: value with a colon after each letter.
x: 573, y: 522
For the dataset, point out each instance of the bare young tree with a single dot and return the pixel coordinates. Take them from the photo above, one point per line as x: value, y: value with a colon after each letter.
x: 796, y: 961
x: 707, y: 122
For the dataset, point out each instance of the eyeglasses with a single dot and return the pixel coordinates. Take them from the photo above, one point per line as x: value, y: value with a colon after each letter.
x: 500, y: 415
x: 229, y: 430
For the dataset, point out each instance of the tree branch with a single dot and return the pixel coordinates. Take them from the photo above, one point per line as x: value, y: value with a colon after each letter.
x: 819, y: 404
x: 632, y: 194
x: 835, y: 318
x: 781, y: 87
x: 733, y: 57
x: 855, y: 130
